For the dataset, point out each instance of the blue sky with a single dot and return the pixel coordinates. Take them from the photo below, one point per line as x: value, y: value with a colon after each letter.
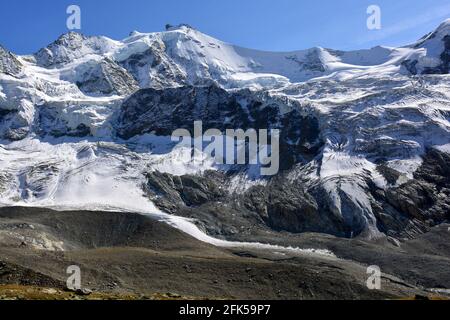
x: 277, y: 25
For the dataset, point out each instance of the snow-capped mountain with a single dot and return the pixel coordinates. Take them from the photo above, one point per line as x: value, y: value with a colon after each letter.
x: 365, y: 135
x: 433, y: 56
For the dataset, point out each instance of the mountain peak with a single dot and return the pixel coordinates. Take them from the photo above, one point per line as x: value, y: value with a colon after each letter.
x: 134, y: 33
x: 443, y: 29
x: 170, y: 27
x: 433, y: 54
x: 73, y: 45
x: 69, y: 38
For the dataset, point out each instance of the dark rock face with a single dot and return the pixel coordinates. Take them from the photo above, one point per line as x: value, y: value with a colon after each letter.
x: 172, y: 192
x: 421, y: 203
x: 163, y: 111
x: 6, y: 117
x: 159, y: 71
x: 280, y: 206
x: 49, y: 123
x: 411, y: 66
x: 286, y: 206
x: 106, y: 77
x: 442, y: 68
x: 402, y: 212
x: 203, y: 198
x: 14, y: 124
x: 9, y: 64
x: 312, y: 63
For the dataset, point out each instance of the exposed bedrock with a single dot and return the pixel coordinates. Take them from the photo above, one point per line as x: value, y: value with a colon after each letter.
x: 415, y: 206
x: 163, y: 111
x: 104, y: 78
x: 9, y: 64
x: 401, y: 212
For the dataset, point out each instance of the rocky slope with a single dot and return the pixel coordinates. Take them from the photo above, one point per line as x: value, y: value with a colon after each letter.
x: 9, y: 64
x: 129, y: 256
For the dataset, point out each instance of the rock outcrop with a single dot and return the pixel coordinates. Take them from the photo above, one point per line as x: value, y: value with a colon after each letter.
x: 9, y: 64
